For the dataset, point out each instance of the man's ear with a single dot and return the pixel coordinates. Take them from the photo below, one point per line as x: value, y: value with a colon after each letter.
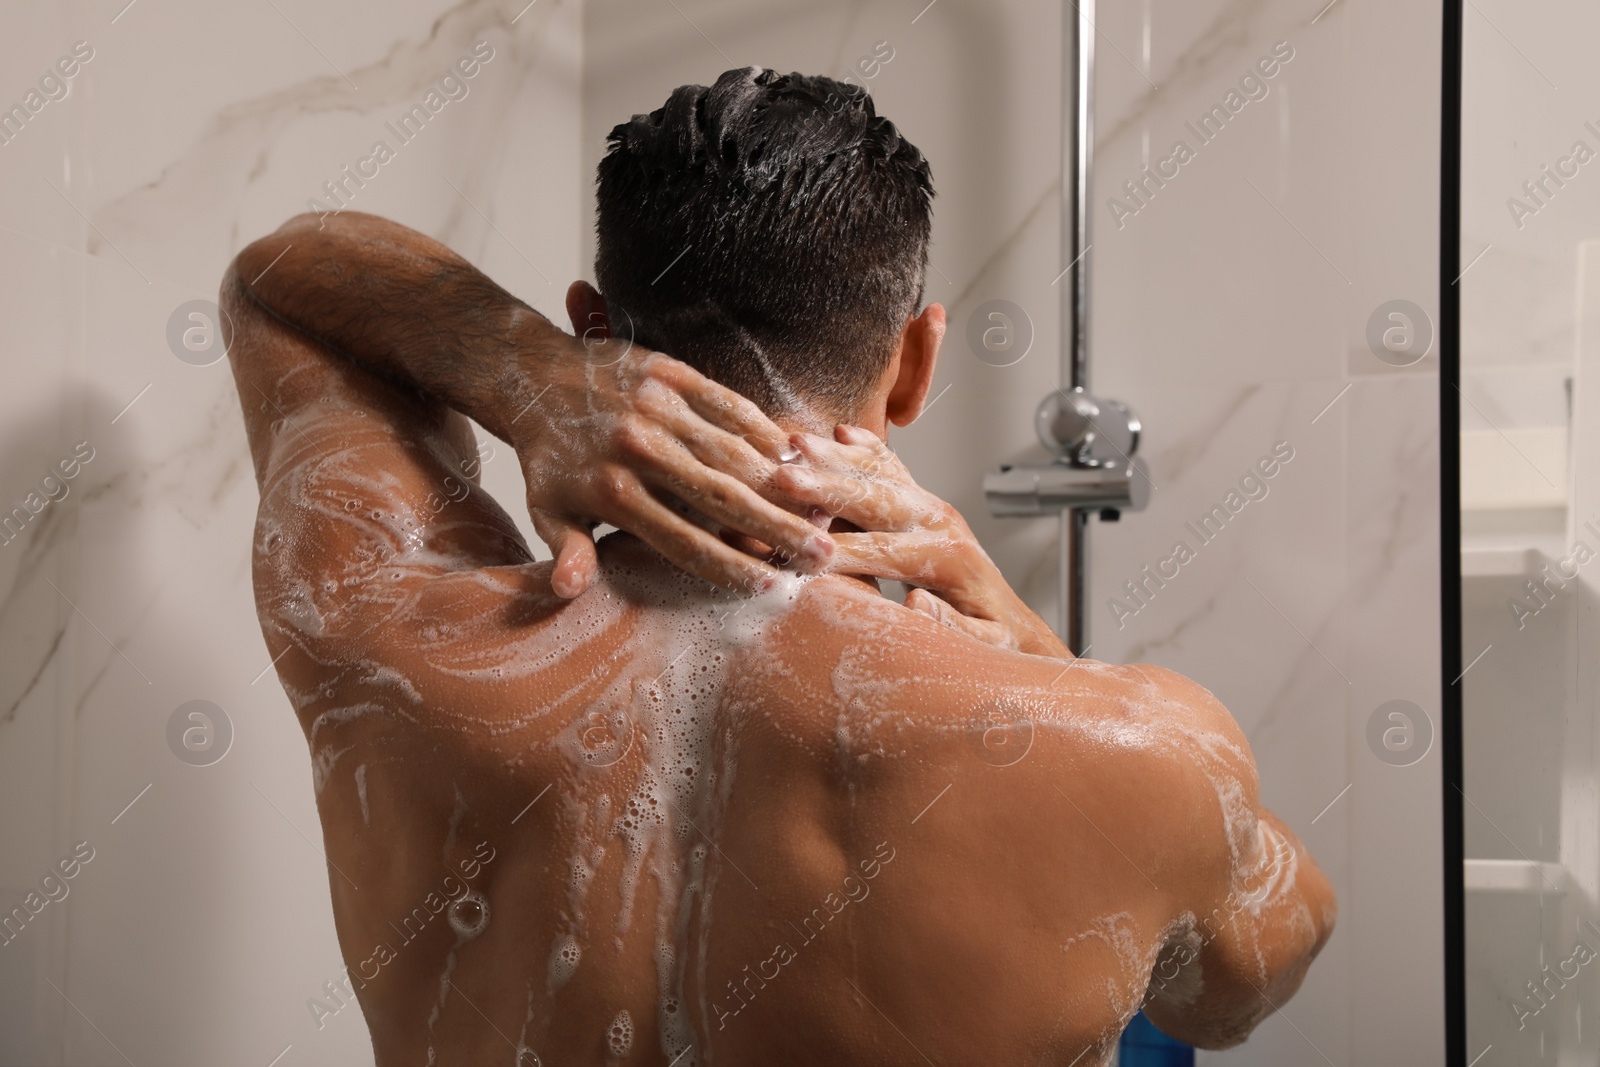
x: 587, y: 310
x: 919, y: 351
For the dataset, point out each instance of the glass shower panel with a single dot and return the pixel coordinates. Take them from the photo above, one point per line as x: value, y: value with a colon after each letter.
x: 1530, y: 530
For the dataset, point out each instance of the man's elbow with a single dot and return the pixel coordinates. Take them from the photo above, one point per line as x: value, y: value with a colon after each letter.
x: 328, y: 225
x: 1221, y: 1005
x: 261, y: 255
x: 1322, y: 907
x: 1297, y: 948
x: 258, y: 257
x: 1229, y: 1010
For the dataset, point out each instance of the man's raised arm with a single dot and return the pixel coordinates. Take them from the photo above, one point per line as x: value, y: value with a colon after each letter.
x: 604, y: 434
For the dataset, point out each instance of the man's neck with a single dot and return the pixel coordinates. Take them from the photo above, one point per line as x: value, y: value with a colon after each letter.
x: 821, y: 423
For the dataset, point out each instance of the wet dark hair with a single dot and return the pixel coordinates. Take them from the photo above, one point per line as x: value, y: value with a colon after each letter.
x: 771, y: 231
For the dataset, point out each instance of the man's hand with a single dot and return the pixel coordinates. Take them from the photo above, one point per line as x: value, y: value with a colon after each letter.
x: 614, y: 433
x: 910, y: 535
x: 605, y: 434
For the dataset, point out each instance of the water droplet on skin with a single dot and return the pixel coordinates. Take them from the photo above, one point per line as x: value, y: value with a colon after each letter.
x: 469, y: 915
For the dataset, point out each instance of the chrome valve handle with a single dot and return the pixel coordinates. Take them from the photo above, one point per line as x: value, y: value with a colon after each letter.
x: 1085, y: 431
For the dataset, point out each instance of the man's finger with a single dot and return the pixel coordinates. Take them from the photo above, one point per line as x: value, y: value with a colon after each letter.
x: 871, y: 505
x: 843, y: 455
x: 920, y: 558
x: 724, y: 408
x: 731, y: 503
x: 990, y: 633
x: 846, y: 434
x: 693, y: 549
x: 572, y: 544
x: 913, y: 558
x: 722, y: 450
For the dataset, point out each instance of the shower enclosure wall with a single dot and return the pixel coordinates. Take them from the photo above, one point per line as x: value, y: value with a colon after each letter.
x: 1530, y: 529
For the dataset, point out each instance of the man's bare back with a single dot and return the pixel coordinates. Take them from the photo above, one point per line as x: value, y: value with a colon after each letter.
x: 665, y: 823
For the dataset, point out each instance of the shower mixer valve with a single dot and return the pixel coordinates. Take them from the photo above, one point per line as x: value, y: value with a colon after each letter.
x: 1092, y: 442
x: 1085, y: 431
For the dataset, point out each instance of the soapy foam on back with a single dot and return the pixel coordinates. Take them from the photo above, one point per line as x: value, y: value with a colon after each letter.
x: 564, y: 959
x: 661, y: 714
x: 670, y: 721
x: 619, y: 1036
x: 675, y: 804
x: 1132, y: 713
x: 666, y: 724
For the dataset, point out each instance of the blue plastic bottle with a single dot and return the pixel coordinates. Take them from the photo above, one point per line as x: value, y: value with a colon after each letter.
x: 1142, y: 1045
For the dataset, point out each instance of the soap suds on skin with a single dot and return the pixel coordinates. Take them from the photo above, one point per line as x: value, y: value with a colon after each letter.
x: 660, y: 723
x: 619, y: 1035
x: 526, y: 1057
x: 361, y: 794
x: 564, y: 959
x: 682, y: 776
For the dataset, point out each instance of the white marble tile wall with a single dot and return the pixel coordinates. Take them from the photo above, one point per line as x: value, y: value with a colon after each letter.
x: 1228, y: 316
x: 201, y: 926
x: 1232, y: 313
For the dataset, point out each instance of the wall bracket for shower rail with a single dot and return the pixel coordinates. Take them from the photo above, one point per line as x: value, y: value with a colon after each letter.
x: 1093, y: 442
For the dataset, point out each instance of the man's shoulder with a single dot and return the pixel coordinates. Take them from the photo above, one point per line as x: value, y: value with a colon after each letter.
x: 1079, y: 751
x: 889, y: 667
